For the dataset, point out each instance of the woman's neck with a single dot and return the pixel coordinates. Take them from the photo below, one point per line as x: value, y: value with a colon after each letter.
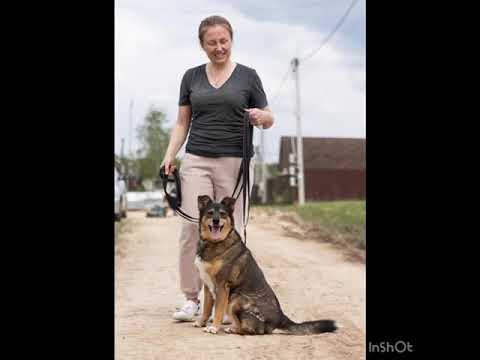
x: 220, y: 67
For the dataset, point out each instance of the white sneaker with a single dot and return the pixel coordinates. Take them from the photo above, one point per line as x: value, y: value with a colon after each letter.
x: 187, y: 312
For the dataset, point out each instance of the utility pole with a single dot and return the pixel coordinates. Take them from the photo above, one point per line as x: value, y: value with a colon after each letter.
x: 263, y: 179
x: 300, y: 176
x: 130, y: 129
x: 122, y: 154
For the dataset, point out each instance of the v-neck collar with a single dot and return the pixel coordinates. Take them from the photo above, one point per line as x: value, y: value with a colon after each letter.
x: 224, y: 83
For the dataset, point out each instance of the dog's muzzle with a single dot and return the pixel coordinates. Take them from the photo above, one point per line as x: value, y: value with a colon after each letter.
x: 215, y: 229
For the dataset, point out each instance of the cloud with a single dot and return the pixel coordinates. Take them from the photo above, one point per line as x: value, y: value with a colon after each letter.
x: 156, y: 42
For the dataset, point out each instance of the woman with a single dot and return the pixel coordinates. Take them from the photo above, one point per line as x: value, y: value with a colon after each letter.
x: 213, y: 99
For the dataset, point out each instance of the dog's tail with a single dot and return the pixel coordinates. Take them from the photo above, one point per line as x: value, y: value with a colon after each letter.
x: 307, y: 327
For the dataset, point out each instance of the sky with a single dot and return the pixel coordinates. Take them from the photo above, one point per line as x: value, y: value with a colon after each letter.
x: 157, y: 41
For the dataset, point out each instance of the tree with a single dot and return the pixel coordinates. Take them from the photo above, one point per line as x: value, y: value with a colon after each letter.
x: 153, y: 140
x: 272, y: 169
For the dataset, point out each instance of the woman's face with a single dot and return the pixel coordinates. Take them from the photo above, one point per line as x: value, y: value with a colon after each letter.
x: 217, y: 44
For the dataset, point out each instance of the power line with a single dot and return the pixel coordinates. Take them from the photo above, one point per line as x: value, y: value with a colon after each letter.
x: 325, y: 41
x: 297, y: 150
x: 284, y: 78
x: 334, y: 30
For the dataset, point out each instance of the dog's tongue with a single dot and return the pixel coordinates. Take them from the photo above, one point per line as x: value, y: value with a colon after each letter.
x: 215, y: 232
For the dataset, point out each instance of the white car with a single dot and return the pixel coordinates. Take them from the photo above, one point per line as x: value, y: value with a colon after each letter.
x: 136, y: 200
x: 144, y: 200
x: 153, y: 198
x: 120, y: 200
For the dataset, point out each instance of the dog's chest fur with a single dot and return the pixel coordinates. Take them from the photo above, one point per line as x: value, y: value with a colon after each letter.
x: 208, y: 270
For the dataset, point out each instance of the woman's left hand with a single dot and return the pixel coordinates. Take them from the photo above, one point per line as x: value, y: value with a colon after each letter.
x: 259, y: 117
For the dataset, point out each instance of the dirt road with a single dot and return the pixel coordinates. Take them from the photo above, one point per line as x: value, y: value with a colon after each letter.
x: 312, y: 281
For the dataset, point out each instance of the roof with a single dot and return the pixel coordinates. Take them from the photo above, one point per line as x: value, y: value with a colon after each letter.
x: 326, y: 153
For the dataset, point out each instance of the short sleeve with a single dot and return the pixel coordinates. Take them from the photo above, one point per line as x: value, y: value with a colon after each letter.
x: 258, y: 98
x: 184, y: 98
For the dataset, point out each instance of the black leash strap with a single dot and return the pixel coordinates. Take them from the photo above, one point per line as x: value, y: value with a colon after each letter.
x: 174, y: 202
x: 243, y: 176
x: 246, y: 173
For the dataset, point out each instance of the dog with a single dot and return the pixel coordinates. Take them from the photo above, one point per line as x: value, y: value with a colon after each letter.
x: 234, y: 282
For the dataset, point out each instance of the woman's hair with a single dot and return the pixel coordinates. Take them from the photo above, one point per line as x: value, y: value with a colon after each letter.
x: 212, y: 21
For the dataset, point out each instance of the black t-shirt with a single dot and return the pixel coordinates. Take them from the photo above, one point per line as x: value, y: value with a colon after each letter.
x: 217, y: 114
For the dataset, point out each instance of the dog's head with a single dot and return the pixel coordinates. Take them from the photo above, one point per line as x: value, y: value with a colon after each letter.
x: 216, y: 219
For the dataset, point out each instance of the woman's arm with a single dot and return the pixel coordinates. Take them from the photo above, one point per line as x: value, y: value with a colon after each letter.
x: 178, y: 136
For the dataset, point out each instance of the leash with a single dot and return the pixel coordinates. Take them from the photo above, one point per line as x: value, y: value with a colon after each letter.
x: 246, y: 173
x: 175, y: 202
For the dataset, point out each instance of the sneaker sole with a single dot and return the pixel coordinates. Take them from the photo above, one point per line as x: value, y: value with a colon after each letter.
x: 184, y: 317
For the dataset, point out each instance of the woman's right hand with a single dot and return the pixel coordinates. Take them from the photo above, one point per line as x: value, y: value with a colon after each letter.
x: 168, y: 161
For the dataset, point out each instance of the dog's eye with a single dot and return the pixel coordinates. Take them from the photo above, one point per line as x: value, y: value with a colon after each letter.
x: 223, y: 213
x: 210, y: 212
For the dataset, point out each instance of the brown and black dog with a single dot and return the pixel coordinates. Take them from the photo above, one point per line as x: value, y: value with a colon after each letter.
x: 234, y: 282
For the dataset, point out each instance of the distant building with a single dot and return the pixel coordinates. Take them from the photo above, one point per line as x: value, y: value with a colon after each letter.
x: 334, y: 168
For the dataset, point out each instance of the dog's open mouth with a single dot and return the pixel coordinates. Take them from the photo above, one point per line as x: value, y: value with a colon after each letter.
x: 215, y: 230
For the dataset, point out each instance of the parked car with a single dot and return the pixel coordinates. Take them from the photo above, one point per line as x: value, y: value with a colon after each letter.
x: 157, y: 211
x: 136, y: 200
x: 152, y: 198
x: 120, y: 200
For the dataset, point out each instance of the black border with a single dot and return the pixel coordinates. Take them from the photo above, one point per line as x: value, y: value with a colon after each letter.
x: 63, y: 77
x: 408, y: 177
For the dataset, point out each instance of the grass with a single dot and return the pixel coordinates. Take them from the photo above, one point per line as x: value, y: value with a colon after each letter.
x: 347, y: 218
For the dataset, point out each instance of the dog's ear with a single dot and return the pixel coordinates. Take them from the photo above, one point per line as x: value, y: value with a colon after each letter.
x: 203, y: 202
x: 229, y: 203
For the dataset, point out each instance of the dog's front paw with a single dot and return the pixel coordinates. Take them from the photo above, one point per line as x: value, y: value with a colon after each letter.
x: 231, y: 330
x: 211, y: 329
x: 199, y: 323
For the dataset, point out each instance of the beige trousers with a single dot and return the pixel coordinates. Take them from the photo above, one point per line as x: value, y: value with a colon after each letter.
x: 215, y: 177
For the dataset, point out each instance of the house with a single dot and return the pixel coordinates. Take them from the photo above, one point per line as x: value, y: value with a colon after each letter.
x: 334, y: 168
